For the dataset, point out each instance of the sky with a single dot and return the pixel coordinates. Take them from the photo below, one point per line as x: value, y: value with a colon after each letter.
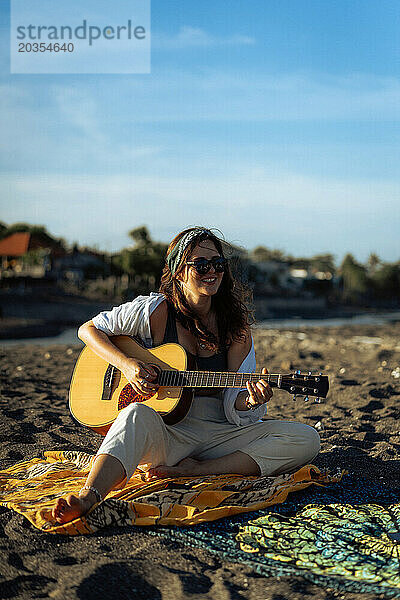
x: 275, y: 121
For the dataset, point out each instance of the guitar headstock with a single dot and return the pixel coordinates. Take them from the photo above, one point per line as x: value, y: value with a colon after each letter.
x: 305, y: 385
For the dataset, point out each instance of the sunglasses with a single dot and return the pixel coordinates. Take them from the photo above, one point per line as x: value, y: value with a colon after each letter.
x: 203, y: 265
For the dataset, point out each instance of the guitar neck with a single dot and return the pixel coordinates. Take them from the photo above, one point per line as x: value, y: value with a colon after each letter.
x: 296, y: 383
x: 208, y: 379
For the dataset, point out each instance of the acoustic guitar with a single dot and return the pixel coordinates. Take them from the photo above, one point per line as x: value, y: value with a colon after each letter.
x: 99, y: 390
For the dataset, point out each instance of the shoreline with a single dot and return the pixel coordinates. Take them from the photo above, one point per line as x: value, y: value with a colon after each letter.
x: 40, y: 314
x: 29, y: 331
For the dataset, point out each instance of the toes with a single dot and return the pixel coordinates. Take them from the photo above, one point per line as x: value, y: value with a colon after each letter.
x: 157, y: 473
x: 59, y: 507
x: 185, y: 467
x: 67, y: 509
x: 154, y: 473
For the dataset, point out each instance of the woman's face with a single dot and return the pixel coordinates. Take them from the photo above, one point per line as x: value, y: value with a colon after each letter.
x: 202, y: 285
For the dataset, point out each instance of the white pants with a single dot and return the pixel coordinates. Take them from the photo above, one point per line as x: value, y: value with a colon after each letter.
x: 139, y: 436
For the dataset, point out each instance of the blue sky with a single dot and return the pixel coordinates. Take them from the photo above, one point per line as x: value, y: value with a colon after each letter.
x: 276, y: 121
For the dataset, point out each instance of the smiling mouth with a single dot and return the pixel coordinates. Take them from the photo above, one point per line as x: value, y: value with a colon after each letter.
x: 209, y: 280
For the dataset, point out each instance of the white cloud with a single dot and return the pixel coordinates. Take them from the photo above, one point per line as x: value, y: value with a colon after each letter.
x: 302, y: 215
x: 252, y: 96
x: 218, y: 95
x: 190, y: 37
x: 79, y: 110
x: 73, y: 128
x: 64, y: 131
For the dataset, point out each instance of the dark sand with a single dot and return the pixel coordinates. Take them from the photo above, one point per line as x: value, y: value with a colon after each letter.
x: 361, y: 421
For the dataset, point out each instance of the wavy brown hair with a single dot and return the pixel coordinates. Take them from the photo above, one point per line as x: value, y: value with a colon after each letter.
x: 230, y: 303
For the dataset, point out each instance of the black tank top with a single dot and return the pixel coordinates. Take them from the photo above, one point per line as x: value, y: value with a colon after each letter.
x: 216, y: 362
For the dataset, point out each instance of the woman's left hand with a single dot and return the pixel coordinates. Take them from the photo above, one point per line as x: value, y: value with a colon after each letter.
x: 259, y: 392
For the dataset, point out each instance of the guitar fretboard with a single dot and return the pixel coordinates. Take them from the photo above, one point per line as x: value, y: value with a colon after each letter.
x: 213, y: 379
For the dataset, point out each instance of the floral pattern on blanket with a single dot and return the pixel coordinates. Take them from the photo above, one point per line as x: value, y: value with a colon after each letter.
x: 353, y: 543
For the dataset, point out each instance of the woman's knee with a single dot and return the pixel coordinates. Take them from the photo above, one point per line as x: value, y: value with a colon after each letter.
x: 312, y: 441
x: 306, y: 445
x: 303, y: 442
x: 139, y: 414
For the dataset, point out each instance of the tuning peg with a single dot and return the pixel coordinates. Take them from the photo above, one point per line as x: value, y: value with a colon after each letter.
x: 306, y: 398
x: 294, y: 397
x: 317, y: 400
x: 298, y: 372
x: 309, y: 372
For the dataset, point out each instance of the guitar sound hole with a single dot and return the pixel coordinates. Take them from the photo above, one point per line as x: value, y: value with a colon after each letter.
x: 127, y: 396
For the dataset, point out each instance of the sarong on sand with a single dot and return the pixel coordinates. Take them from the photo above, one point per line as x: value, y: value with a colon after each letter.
x: 32, y: 487
x: 336, y: 541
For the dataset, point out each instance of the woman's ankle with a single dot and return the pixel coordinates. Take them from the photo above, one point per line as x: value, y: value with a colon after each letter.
x: 89, y: 495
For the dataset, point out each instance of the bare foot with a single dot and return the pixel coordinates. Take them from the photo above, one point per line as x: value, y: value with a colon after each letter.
x: 186, y: 467
x: 71, y: 507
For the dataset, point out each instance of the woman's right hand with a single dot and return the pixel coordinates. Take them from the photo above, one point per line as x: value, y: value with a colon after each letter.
x: 140, y: 375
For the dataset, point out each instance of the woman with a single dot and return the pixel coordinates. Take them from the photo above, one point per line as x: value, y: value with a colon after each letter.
x: 200, y: 306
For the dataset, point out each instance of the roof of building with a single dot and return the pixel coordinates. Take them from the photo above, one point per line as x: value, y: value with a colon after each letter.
x: 15, y: 244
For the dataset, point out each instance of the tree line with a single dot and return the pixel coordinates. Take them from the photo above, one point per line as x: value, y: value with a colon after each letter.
x: 357, y: 282
x: 144, y: 259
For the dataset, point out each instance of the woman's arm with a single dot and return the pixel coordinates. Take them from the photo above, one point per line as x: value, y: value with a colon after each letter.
x: 101, y: 344
x: 257, y: 393
x: 135, y: 371
x: 236, y: 354
x: 131, y: 318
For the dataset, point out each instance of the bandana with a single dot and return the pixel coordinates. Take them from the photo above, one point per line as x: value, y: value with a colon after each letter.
x: 174, y: 257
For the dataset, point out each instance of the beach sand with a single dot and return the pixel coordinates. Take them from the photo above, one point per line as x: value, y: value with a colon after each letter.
x: 361, y: 433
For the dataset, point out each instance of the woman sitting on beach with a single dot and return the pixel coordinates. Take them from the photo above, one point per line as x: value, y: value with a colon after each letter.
x: 200, y: 306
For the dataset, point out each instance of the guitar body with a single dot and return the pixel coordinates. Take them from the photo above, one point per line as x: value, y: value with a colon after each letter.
x: 91, y: 405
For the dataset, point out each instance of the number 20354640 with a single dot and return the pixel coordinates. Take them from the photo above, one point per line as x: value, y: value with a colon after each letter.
x: 43, y: 47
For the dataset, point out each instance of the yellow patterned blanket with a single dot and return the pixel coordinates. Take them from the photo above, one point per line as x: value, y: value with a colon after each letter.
x: 31, y: 488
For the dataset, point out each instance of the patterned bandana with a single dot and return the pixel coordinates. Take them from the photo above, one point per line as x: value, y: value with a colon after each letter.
x: 174, y: 257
